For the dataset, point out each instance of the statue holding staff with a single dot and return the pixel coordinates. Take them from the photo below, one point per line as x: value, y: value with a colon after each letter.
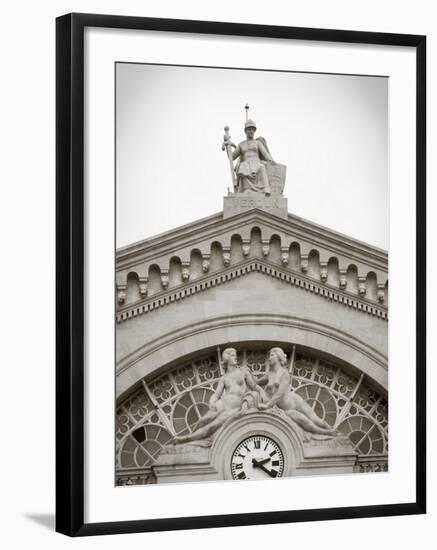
x: 250, y: 173
x: 227, y: 146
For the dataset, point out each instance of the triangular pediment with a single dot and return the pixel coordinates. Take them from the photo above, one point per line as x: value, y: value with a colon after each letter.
x: 212, y: 227
x: 246, y: 269
x: 209, y: 247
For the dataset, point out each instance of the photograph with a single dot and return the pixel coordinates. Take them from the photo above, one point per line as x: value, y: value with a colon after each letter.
x: 251, y: 269
x: 221, y: 210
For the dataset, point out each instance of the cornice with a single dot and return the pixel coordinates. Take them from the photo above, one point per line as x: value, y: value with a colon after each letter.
x: 349, y: 246
x: 169, y: 237
x: 210, y: 227
x: 242, y: 269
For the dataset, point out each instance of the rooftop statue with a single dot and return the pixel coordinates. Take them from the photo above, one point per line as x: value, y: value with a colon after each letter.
x: 255, y: 168
x: 252, y: 155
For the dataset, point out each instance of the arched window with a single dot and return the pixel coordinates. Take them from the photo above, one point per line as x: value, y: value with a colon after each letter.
x: 173, y: 402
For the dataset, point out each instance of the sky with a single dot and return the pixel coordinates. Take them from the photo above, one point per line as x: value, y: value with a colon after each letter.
x: 331, y: 131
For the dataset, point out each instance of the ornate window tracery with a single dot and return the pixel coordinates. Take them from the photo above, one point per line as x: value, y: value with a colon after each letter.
x: 172, y: 403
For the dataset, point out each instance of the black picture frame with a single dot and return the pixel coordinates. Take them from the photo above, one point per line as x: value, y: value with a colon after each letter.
x: 70, y: 273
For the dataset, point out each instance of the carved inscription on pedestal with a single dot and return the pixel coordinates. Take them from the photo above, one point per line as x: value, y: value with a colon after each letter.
x: 235, y: 203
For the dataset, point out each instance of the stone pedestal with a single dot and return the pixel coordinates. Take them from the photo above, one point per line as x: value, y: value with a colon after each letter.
x: 235, y: 203
x: 276, y: 203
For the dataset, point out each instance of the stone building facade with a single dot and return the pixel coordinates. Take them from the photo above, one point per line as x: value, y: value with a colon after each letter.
x: 251, y: 277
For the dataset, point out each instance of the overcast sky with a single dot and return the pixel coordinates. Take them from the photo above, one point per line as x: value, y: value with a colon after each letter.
x: 330, y: 130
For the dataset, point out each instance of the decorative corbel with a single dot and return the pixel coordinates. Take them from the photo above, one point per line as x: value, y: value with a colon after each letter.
x: 343, y: 279
x: 246, y: 248
x: 185, y: 271
x: 121, y: 294
x: 304, y: 263
x: 362, y: 286
x: 284, y: 256
x: 265, y: 248
x: 381, y: 293
x: 143, y: 286
x: 227, y: 256
x: 205, y: 263
x: 164, y: 279
x: 324, y: 271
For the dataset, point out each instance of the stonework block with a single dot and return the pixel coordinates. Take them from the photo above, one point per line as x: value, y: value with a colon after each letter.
x: 235, y: 203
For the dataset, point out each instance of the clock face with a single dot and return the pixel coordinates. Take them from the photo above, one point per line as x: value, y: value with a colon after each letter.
x: 257, y: 457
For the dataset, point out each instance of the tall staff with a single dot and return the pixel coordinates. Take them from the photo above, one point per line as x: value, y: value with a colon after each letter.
x: 227, y: 145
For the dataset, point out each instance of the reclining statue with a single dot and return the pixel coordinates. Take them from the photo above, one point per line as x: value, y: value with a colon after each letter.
x: 238, y: 392
x: 277, y: 393
x: 235, y: 395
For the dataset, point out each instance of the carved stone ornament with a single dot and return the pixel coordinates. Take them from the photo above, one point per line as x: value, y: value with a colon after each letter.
x: 381, y: 295
x: 238, y: 393
x: 143, y: 287
x: 323, y: 273
x: 185, y: 273
x: 246, y: 249
x: 121, y: 295
x: 205, y: 265
x: 164, y: 280
x: 226, y: 258
x: 362, y: 290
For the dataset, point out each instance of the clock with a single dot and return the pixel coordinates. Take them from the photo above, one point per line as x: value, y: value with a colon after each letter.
x: 257, y: 457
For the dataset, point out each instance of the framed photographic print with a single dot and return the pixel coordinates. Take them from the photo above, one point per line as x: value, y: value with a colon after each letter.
x: 240, y: 274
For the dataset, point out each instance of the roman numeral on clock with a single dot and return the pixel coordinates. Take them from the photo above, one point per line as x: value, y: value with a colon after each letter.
x: 257, y: 444
x: 241, y: 475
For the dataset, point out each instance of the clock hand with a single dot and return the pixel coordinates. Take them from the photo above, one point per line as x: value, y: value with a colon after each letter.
x: 271, y: 473
x: 263, y: 461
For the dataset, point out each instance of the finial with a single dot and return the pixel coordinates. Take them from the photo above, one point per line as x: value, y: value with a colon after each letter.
x: 247, y: 110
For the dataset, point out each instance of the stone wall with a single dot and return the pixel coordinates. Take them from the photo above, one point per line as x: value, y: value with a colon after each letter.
x: 253, y: 307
